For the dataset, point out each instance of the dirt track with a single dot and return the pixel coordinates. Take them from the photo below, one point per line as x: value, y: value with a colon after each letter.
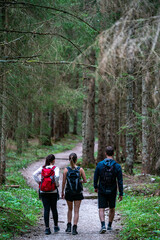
x: 88, y: 225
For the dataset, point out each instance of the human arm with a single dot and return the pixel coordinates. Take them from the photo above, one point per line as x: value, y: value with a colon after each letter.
x: 96, y: 178
x: 57, y: 176
x: 36, y: 175
x: 83, y: 175
x: 120, y: 182
x: 64, y: 181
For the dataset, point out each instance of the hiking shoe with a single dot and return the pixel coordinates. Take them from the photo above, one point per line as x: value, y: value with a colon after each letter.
x: 68, y: 229
x: 56, y: 229
x: 103, y: 230
x: 109, y: 228
x: 74, y: 230
x: 47, y: 231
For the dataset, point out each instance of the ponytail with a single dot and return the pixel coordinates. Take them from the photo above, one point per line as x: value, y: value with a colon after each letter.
x: 49, y: 159
x: 73, y: 159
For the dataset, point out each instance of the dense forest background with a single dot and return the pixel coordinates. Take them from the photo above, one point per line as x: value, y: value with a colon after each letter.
x: 86, y: 67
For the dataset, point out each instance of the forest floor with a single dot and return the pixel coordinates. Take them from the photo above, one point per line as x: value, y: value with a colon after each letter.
x: 88, y: 225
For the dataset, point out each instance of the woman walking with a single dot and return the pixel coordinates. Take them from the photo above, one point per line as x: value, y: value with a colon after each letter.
x: 48, y: 185
x: 73, y: 191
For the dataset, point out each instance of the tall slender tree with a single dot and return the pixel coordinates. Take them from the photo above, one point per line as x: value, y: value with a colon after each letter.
x: 3, y: 99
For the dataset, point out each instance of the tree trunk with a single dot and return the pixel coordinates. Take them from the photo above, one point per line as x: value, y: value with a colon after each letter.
x: 101, y: 120
x: 66, y: 123
x: 75, y: 122
x: 129, y: 131
x: 129, y: 107
x: 19, y: 133
x: 3, y: 100
x: 88, y: 123
x: 88, y: 119
x: 117, y: 126
x: 145, y: 129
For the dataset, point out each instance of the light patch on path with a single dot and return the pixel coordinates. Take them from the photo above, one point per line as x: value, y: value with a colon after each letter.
x: 88, y: 225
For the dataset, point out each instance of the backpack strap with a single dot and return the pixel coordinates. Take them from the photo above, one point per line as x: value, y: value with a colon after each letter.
x: 70, y: 169
x: 108, y: 159
x: 53, y: 167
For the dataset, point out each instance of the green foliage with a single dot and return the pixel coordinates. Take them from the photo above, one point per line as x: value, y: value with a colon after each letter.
x: 89, y: 175
x: 19, y: 208
x: 141, y: 216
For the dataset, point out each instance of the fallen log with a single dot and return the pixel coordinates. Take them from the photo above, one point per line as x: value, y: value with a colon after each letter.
x: 12, y: 186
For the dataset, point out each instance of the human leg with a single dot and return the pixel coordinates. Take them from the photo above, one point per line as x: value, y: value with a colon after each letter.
x: 77, y: 204
x: 102, y: 214
x: 102, y: 204
x: 69, y: 216
x: 112, y: 204
x: 76, y: 211
x: 70, y: 208
x: 53, y: 203
x: 111, y: 214
x: 46, y: 205
x: 111, y: 217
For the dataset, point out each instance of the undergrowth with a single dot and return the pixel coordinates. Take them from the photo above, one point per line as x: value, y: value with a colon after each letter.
x: 20, y: 207
x: 141, y: 217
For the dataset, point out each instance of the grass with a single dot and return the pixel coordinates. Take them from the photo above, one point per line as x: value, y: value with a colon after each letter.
x: 141, y: 217
x: 20, y: 207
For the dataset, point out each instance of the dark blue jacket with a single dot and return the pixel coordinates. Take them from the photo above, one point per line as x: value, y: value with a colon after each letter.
x: 118, y: 174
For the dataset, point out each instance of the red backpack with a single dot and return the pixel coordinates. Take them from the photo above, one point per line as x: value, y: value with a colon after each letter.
x: 47, y: 179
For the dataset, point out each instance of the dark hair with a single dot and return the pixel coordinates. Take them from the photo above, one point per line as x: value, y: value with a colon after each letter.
x: 110, y: 151
x: 49, y: 159
x: 73, y: 159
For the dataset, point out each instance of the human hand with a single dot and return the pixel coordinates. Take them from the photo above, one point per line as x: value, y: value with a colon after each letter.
x: 120, y: 198
x: 96, y: 190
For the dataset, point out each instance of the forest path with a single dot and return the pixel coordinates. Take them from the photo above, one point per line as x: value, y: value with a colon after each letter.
x: 88, y: 225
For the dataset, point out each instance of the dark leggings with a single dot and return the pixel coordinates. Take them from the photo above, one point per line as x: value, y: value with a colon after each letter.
x: 50, y: 202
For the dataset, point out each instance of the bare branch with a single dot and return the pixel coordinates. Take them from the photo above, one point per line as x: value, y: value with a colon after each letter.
x: 40, y: 33
x: 51, y: 8
x: 17, y: 57
x: 47, y: 63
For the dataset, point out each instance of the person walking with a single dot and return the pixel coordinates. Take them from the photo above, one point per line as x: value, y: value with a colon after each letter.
x: 48, y: 187
x: 72, y: 184
x: 107, y: 174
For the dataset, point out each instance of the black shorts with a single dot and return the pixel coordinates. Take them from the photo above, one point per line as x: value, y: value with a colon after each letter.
x: 72, y: 198
x: 107, y: 200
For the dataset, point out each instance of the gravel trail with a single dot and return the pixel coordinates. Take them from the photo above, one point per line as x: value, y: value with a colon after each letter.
x: 88, y: 225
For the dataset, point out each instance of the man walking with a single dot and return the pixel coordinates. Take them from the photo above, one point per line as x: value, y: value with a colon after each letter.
x: 106, y: 176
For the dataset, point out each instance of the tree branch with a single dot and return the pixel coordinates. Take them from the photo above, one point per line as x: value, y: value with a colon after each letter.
x: 18, y: 57
x: 51, y: 8
x: 43, y: 34
x: 47, y: 63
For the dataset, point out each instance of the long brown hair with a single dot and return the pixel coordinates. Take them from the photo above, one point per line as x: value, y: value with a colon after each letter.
x: 49, y: 159
x: 73, y: 159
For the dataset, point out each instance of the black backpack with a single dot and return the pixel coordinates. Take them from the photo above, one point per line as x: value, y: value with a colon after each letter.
x: 74, y: 185
x: 108, y: 178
